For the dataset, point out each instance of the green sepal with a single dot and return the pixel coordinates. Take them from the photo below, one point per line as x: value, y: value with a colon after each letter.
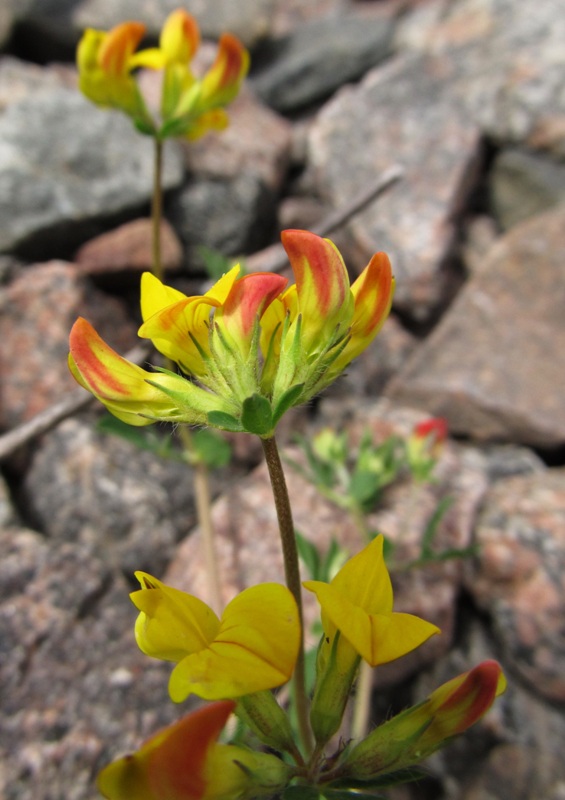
x: 257, y: 415
x: 392, y: 778
x: 261, y: 713
x: 225, y: 421
x: 300, y: 793
x: 288, y: 400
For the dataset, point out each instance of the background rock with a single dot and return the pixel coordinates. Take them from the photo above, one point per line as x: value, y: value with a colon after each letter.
x: 34, y: 341
x: 489, y: 367
x: 66, y: 169
x: 465, y: 86
x: 318, y: 57
x: 128, y: 249
x: 524, y: 184
x: 518, y: 577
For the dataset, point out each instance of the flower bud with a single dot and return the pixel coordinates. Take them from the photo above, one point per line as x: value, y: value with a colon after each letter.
x: 419, y: 731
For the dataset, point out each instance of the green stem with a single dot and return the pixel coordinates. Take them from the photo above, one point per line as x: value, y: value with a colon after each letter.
x: 204, y: 514
x: 292, y: 576
x: 157, y: 209
x: 362, y: 702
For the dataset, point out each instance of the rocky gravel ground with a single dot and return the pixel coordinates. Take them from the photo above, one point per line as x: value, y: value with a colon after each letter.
x: 468, y: 98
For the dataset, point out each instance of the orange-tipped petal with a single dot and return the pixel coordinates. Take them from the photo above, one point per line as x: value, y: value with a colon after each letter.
x: 118, y: 47
x: 179, y: 328
x: 323, y: 295
x: 223, y: 80
x: 462, y: 701
x: 172, y: 764
x: 105, y: 373
x: 180, y: 37
x: 246, y: 303
x: 372, y: 292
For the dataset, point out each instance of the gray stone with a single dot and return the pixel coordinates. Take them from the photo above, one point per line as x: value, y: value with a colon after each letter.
x: 518, y: 576
x: 76, y: 689
x: 37, y: 311
x: 66, y: 165
x: 231, y: 216
x: 491, y: 366
x: 469, y: 69
x: 320, y: 56
x: 408, y: 112
x: 250, y: 20
x: 104, y: 491
x: 127, y: 251
x: 523, y: 184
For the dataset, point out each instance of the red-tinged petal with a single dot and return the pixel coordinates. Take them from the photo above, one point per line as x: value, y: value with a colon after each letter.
x: 436, y: 427
x: 372, y: 292
x: 248, y: 300
x: 462, y: 701
x: 171, y: 765
x: 322, y: 287
x: 373, y: 297
x: 180, y: 330
x: 223, y: 80
x: 102, y: 370
x: 180, y: 37
x: 118, y: 46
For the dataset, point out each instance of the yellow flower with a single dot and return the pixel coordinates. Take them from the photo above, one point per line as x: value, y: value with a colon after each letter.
x: 184, y: 762
x: 104, y: 62
x: 359, y: 604
x: 189, y: 107
x: 358, y: 622
x: 254, y: 349
x: 253, y: 646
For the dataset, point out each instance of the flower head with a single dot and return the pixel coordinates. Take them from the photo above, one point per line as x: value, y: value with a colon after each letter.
x: 104, y: 61
x: 189, y: 107
x: 184, y: 762
x: 253, y: 646
x: 250, y: 347
x: 358, y: 622
x: 419, y: 731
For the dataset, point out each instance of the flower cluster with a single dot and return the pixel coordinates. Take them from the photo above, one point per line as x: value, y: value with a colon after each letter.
x: 254, y: 647
x: 189, y: 107
x: 249, y: 348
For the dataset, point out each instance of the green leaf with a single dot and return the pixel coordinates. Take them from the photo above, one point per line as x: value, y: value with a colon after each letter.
x: 288, y: 399
x: 142, y: 438
x: 220, y: 419
x: 215, y: 262
x: 300, y: 793
x: 210, y: 448
x: 257, y: 415
x: 309, y: 554
x: 406, y: 775
x: 363, y: 487
x: 433, y: 525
